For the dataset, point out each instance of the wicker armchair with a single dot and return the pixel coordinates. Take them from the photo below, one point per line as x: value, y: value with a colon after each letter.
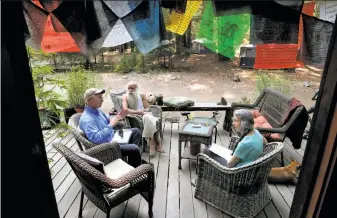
x: 241, y: 191
x: 79, y: 135
x: 120, y: 185
x: 273, y: 105
x: 134, y: 120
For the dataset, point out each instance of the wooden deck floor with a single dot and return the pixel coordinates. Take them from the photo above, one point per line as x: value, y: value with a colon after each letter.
x: 174, y: 193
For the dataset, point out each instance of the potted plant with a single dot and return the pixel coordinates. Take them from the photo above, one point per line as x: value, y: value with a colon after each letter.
x: 49, y: 102
x: 78, y: 81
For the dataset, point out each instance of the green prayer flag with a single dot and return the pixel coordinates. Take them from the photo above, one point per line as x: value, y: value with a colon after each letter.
x: 222, y: 34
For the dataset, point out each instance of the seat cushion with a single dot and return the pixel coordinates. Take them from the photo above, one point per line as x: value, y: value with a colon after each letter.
x: 261, y: 122
x: 97, y: 164
x: 115, y: 170
x: 255, y: 113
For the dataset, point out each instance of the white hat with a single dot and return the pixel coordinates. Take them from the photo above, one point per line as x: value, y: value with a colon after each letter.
x: 92, y: 91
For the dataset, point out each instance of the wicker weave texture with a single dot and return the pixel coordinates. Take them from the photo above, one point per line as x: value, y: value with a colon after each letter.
x: 239, y: 192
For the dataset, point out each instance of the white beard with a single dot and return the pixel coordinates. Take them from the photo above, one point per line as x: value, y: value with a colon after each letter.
x: 132, y: 99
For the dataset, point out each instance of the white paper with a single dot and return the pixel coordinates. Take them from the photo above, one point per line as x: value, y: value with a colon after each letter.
x: 125, y: 139
x: 221, y: 151
x: 328, y: 10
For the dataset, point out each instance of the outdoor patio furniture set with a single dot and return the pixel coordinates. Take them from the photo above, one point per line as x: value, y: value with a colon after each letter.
x: 239, y: 192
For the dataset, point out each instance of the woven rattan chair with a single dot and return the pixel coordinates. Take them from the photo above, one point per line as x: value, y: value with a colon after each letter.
x: 273, y: 105
x: 119, y: 183
x: 79, y: 135
x: 241, y: 191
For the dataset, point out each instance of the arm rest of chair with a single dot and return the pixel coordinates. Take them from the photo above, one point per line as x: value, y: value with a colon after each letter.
x: 238, y: 105
x: 135, y: 122
x: 106, y: 152
x: 134, y: 176
x: 281, y: 130
x: 82, y: 139
x: 205, y: 160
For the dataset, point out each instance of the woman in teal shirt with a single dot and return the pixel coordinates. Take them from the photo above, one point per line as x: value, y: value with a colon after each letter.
x: 250, y: 145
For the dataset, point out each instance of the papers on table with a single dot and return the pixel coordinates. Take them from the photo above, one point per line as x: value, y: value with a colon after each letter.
x: 126, y: 137
x: 221, y: 151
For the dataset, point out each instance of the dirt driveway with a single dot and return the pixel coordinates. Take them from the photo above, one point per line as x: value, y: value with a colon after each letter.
x: 205, y: 79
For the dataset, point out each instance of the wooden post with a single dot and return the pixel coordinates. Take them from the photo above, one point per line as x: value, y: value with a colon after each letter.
x: 26, y: 144
x: 321, y: 145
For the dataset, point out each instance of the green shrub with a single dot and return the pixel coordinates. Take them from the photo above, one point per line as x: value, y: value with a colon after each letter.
x: 127, y: 63
x: 277, y: 82
x: 264, y: 80
x: 141, y: 65
x: 78, y: 81
x: 245, y: 100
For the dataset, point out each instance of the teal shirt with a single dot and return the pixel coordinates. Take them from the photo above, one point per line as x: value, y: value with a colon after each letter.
x: 249, y: 149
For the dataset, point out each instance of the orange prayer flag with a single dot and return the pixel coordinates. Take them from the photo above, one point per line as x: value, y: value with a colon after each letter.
x: 276, y: 56
x: 37, y: 2
x: 57, y: 41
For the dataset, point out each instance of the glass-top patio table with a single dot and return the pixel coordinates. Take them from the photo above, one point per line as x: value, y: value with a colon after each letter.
x: 201, y: 134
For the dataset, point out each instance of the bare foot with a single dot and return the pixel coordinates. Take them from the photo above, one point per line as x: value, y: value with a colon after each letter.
x: 160, y: 149
x: 152, y: 148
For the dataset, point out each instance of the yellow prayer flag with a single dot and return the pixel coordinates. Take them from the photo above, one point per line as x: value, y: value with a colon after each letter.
x: 178, y: 23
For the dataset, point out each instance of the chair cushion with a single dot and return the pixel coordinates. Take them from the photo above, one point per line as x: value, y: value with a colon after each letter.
x: 261, y: 122
x: 97, y: 164
x: 115, y: 170
x: 178, y: 102
x: 255, y: 113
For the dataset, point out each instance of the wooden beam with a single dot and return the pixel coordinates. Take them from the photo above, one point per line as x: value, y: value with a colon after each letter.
x: 317, y: 141
x: 26, y: 172
x: 324, y: 175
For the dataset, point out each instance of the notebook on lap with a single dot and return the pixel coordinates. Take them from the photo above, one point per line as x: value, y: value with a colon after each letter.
x: 122, y: 140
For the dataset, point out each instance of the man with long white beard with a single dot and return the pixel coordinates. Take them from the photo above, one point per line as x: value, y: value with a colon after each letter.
x: 137, y: 104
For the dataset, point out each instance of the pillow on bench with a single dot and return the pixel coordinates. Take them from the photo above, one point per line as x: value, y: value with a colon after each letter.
x: 261, y: 122
x: 178, y: 102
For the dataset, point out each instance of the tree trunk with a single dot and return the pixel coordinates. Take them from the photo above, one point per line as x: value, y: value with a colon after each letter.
x: 120, y: 49
x: 133, y: 47
x: 87, y: 63
x: 179, y: 44
x: 188, y: 36
x: 54, y: 59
